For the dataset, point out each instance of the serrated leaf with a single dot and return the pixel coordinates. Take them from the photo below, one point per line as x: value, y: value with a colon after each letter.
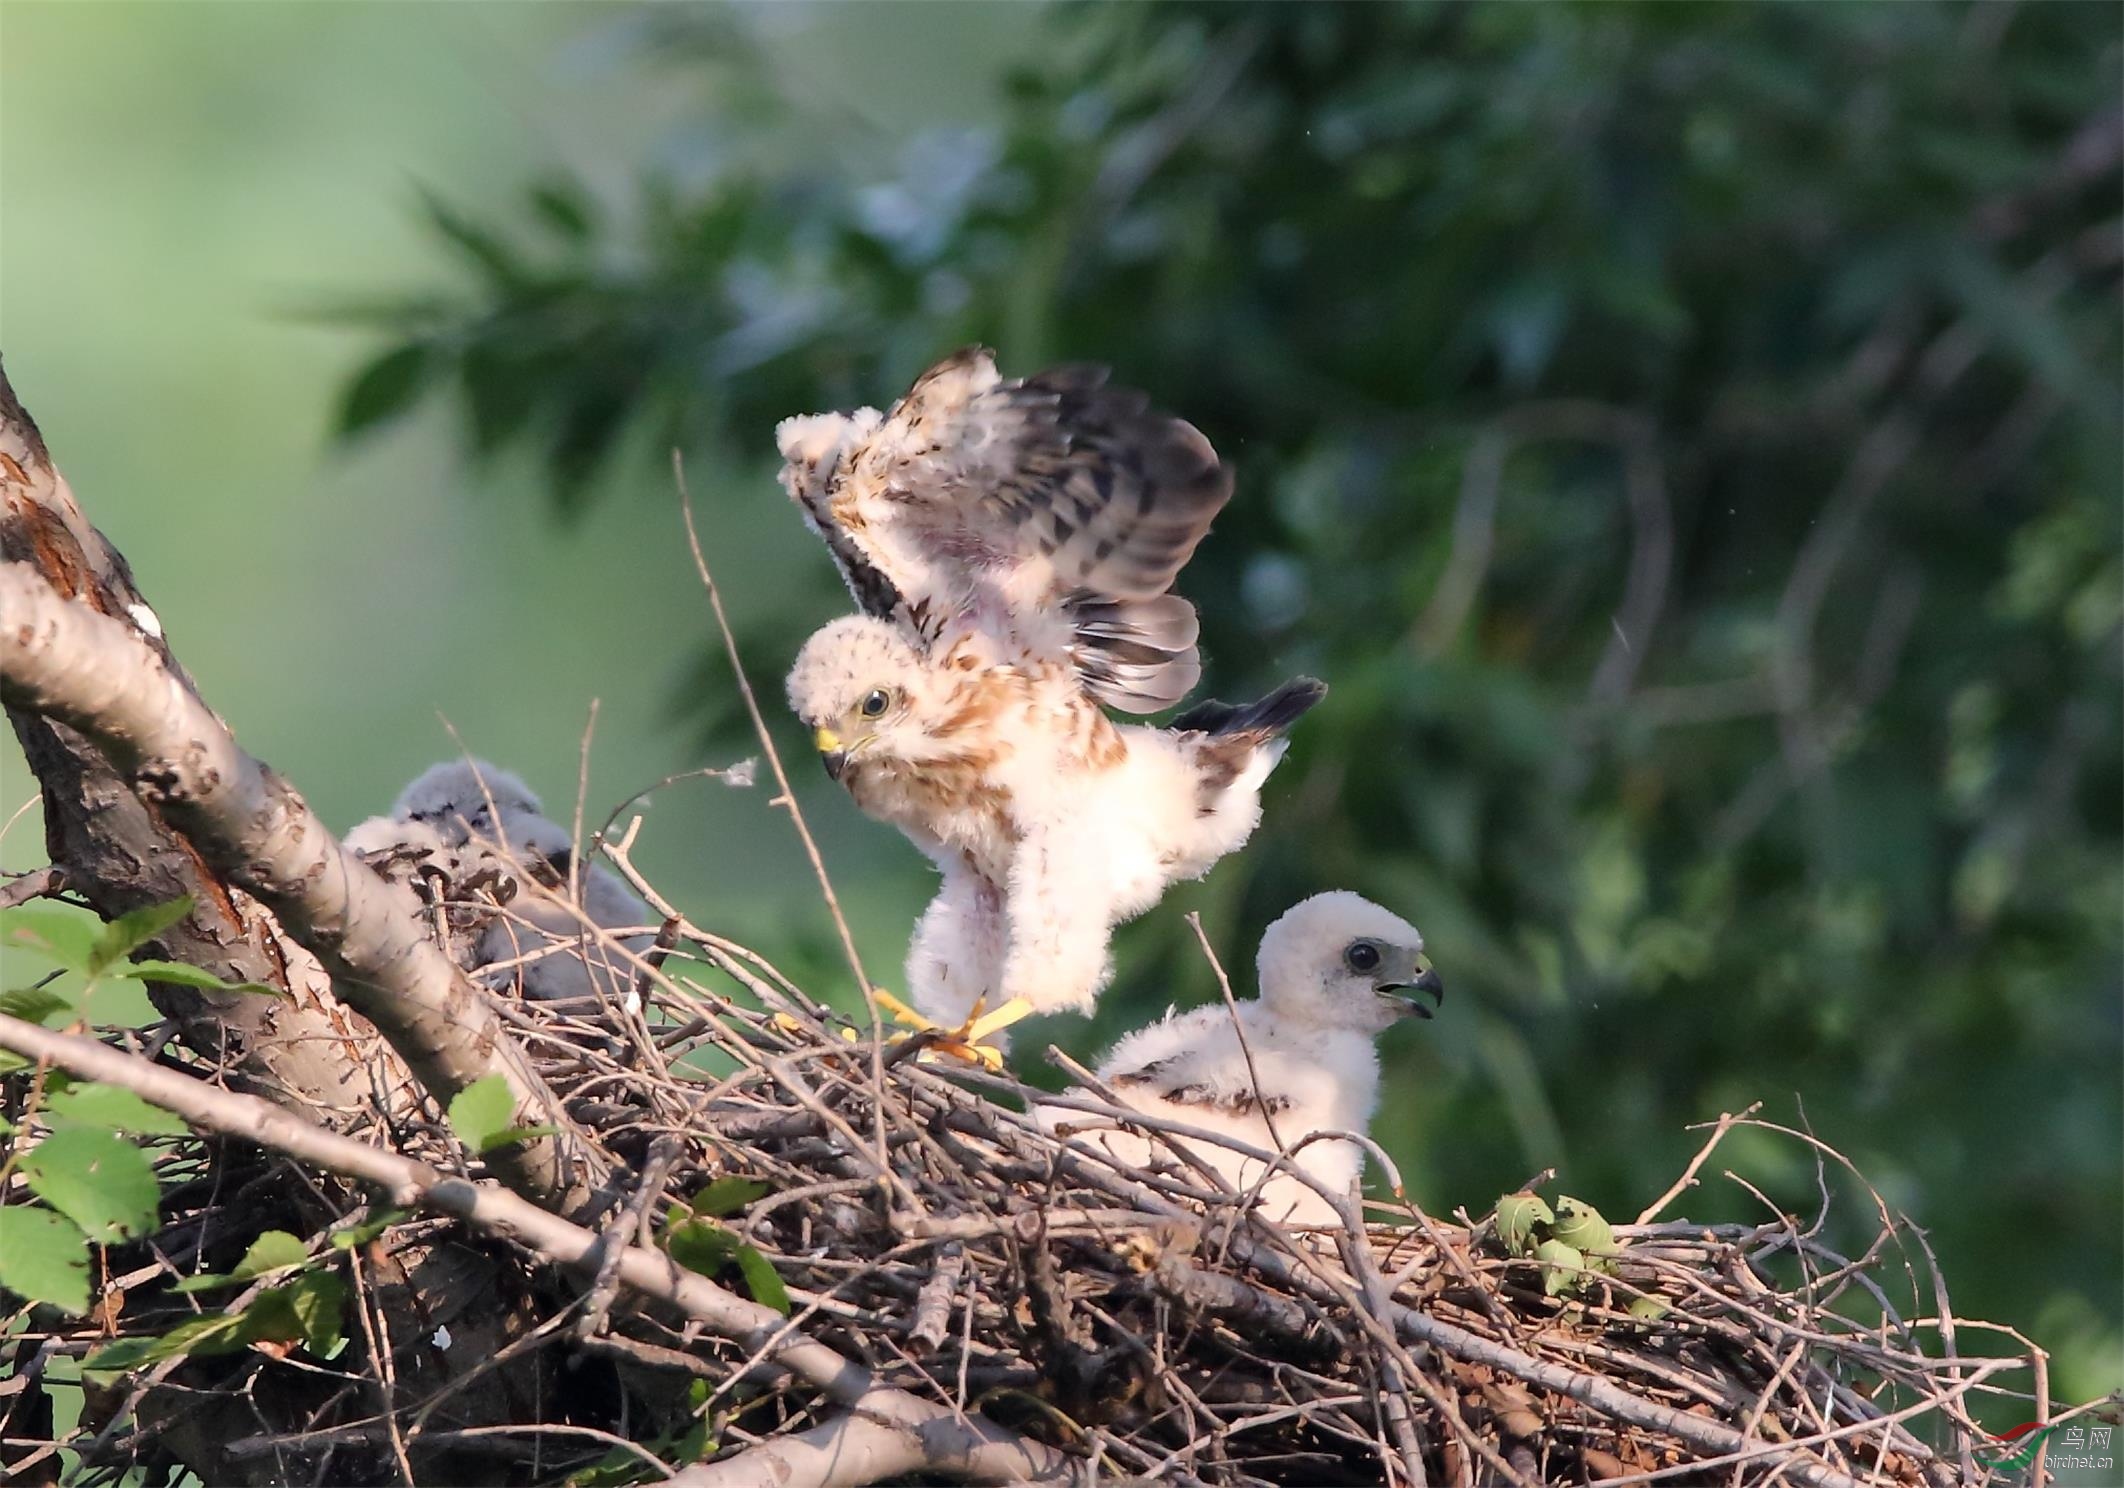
x: 134, y: 929
x: 178, y: 974
x: 34, y: 1004
x: 482, y: 1111
x: 1561, y: 1267
x: 69, y: 939
x: 701, y: 1247
x: 44, y: 1257
x: 1517, y: 1215
x: 727, y: 1194
x: 113, y: 1108
x: 98, y: 1180
x: 509, y: 1136
x: 205, y: 1281
x: 762, y: 1281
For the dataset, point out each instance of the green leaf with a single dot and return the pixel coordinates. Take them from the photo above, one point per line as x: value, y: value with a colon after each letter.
x: 1579, y: 1224
x: 727, y: 1194
x: 1648, y: 1309
x: 275, y: 1250
x: 386, y: 388
x: 701, y: 1247
x: 121, y: 1356
x: 178, y: 974
x: 482, y: 1111
x: 762, y: 1281
x: 509, y: 1136
x: 44, y: 1257
x: 134, y: 929
x: 97, y: 1180
x: 113, y: 1108
x: 315, y: 1304
x: 215, y: 1333
x: 205, y: 1281
x: 1561, y: 1267
x: 69, y: 939
x: 33, y: 1004
x: 1517, y: 1215
x: 367, y: 1230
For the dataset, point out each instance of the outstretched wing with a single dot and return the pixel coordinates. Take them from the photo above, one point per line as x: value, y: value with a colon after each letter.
x: 1053, y: 497
x: 815, y: 448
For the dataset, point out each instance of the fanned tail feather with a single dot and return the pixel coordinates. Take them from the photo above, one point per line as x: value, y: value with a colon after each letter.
x: 1137, y: 655
x: 1242, y: 742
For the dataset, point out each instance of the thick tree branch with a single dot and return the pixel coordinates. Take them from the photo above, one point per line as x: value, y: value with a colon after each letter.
x: 883, y: 1425
x: 855, y: 1449
x: 118, y: 854
x: 97, y: 675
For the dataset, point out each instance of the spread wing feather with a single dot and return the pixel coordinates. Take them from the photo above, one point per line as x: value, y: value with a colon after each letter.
x: 1049, y: 495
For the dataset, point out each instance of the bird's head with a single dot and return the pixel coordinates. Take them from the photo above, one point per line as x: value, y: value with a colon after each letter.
x: 862, y: 690
x: 461, y: 789
x: 1340, y: 961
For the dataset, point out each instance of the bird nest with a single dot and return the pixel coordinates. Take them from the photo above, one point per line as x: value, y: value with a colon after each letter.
x: 908, y: 1212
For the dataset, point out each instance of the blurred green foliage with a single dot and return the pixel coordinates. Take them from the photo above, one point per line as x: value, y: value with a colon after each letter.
x: 1685, y: 436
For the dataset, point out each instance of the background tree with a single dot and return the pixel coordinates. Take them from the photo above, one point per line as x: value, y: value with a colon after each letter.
x: 1687, y: 439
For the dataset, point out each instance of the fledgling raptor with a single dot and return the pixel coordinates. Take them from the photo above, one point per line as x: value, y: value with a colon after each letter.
x: 1331, y: 973
x: 469, y: 837
x: 1010, y: 543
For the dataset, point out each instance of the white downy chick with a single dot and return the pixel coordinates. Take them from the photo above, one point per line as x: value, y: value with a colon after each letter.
x: 1332, y: 973
x: 469, y: 837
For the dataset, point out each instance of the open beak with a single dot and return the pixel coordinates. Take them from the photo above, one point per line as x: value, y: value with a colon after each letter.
x: 1418, y: 977
x: 831, y: 754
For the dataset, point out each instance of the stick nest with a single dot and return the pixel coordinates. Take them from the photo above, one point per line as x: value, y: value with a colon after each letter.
x: 1143, y: 1321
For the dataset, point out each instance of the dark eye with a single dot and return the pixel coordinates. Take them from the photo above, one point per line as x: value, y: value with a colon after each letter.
x: 1362, y: 956
x: 875, y: 703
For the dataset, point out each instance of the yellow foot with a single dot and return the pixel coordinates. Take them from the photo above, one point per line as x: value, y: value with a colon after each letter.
x: 963, y: 1042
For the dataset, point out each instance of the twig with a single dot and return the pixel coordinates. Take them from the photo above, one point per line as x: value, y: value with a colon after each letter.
x: 787, y: 797
x: 1687, y: 1180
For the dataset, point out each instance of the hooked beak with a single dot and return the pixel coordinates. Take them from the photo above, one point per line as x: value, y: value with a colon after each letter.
x: 831, y: 754
x: 1416, y: 976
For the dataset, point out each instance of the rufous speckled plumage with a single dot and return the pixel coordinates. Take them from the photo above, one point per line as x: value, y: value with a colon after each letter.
x: 1010, y: 543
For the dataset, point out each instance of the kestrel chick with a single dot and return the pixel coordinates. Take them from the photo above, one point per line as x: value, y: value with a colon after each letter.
x: 1333, y: 972
x: 470, y: 837
x: 1050, y: 823
x: 1010, y: 543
